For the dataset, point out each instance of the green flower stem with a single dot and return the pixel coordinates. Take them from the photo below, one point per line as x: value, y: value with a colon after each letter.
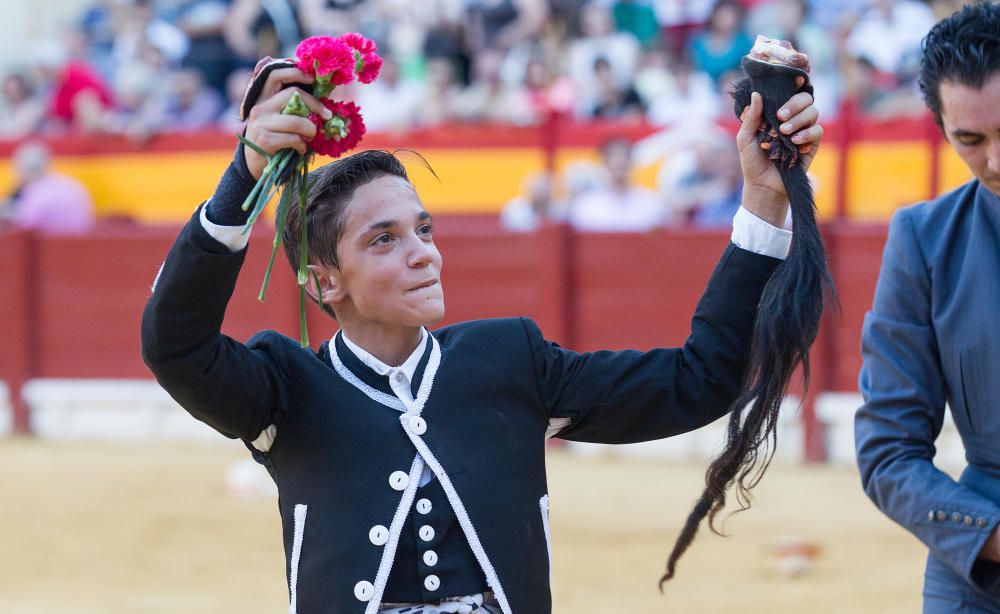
x: 279, y: 228
x: 266, y: 186
x: 303, y: 177
x: 272, y: 161
x: 303, y: 329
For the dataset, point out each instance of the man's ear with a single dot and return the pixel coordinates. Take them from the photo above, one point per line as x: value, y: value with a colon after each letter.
x: 325, y: 281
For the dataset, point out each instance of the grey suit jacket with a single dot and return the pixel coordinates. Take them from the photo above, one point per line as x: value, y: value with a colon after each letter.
x: 933, y: 335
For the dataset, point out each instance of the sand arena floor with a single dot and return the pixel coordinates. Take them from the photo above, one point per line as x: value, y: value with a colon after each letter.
x: 87, y: 528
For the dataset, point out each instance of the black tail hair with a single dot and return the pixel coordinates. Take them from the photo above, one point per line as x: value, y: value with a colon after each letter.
x: 788, y: 319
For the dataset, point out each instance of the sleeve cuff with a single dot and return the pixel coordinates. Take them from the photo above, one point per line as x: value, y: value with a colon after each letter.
x: 755, y: 235
x: 230, y: 236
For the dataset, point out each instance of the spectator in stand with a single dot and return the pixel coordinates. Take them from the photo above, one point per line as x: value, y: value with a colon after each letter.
x: 140, y: 26
x: 209, y: 53
x: 547, y: 93
x: 618, y: 205
x: 879, y: 95
x: 638, y: 18
x: 21, y: 110
x: 441, y: 94
x: 502, y: 24
x: 392, y: 102
x: 721, y: 46
x: 236, y: 84
x: 688, y: 95
x: 193, y: 105
x: 888, y: 35
x: 142, y: 91
x: 258, y: 28
x: 489, y: 99
x: 534, y: 207
x: 680, y: 20
x: 613, y: 101
x: 80, y: 99
x: 44, y: 200
x: 698, y: 174
x: 598, y: 39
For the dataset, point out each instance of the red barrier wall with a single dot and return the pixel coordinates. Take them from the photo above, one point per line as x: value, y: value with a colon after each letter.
x: 72, y: 305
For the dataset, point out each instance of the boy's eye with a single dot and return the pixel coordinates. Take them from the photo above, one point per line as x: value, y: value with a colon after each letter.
x: 970, y: 141
x: 425, y: 229
x: 382, y: 239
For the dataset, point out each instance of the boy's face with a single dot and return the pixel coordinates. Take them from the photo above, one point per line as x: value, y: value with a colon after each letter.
x: 390, y: 269
x: 971, y: 121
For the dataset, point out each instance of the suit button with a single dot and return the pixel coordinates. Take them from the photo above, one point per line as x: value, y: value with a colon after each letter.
x: 432, y: 582
x: 967, y: 521
x: 930, y: 515
x: 364, y: 590
x: 418, y: 425
x: 426, y: 532
x: 424, y: 506
x: 430, y: 558
x: 981, y: 523
x: 956, y: 517
x: 378, y: 535
x: 941, y: 515
x: 399, y: 480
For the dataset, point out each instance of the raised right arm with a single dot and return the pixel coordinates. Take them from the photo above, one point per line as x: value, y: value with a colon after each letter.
x: 238, y: 390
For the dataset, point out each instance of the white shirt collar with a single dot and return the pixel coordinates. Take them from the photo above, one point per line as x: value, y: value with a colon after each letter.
x: 409, y: 366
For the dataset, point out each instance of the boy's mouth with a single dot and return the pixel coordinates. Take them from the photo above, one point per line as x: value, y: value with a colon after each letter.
x: 425, y: 284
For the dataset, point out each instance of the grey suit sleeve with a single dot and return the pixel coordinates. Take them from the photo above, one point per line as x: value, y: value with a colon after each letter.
x: 904, y: 391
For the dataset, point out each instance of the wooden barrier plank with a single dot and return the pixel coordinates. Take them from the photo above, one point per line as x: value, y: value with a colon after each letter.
x: 17, y: 335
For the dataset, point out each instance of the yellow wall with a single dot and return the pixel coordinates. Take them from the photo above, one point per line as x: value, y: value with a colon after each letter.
x: 165, y: 187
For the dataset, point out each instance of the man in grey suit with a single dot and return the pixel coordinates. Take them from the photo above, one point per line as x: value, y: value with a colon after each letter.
x: 933, y: 334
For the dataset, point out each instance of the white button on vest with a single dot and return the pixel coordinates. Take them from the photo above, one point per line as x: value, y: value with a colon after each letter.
x: 399, y: 480
x: 418, y: 425
x: 430, y: 558
x: 364, y: 590
x: 432, y: 583
x: 424, y: 506
x: 378, y: 535
x: 426, y: 533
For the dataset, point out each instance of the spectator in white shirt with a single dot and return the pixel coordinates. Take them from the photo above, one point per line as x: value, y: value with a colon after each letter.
x: 618, y: 206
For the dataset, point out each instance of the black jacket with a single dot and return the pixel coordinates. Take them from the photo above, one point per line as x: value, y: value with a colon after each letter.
x: 487, y: 392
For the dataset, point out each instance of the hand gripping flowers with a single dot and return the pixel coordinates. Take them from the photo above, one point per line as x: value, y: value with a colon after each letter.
x: 332, y: 62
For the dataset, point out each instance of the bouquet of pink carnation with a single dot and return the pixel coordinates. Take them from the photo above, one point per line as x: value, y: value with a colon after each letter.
x: 332, y: 62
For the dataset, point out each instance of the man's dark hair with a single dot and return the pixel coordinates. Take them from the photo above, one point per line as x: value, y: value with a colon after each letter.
x: 331, y: 188
x: 964, y: 48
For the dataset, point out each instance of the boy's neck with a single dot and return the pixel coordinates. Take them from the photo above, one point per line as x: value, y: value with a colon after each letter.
x: 391, y: 346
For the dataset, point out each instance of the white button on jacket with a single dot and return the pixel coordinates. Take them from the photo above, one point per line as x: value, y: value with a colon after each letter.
x: 364, y: 590
x: 399, y: 480
x: 424, y: 506
x: 432, y: 583
x: 430, y: 558
x: 379, y: 535
x: 418, y: 425
x: 426, y: 533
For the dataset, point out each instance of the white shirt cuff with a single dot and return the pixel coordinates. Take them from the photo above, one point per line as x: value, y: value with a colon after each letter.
x: 755, y: 235
x: 230, y: 236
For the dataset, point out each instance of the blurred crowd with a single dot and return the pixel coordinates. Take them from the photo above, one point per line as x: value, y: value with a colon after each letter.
x: 143, y: 67
x: 139, y: 67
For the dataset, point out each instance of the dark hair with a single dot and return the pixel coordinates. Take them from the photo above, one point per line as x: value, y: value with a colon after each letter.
x: 330, y: 189
x: 964, y: 48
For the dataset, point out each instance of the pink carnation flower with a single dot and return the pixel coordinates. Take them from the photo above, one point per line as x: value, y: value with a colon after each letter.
x: 326, y: 58
x: 339, y: 134
x: 367, y: 62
